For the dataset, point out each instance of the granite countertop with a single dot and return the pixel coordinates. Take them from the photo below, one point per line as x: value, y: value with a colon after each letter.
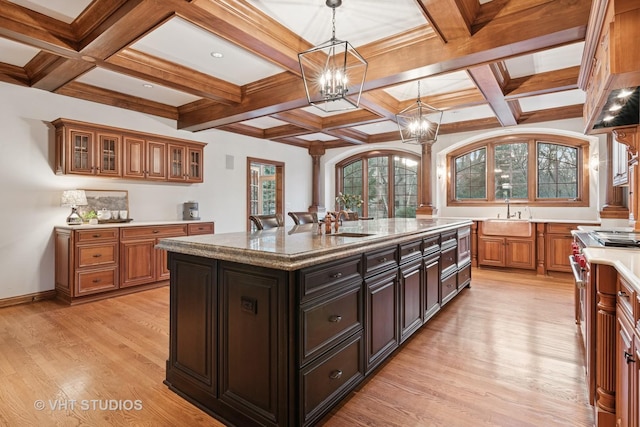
x: 292, y: 248
x: 132, y: 223
x: 535, y: 220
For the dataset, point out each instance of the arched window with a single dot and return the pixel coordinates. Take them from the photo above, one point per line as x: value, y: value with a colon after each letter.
x: 536, y: 169
x: 388, y: 182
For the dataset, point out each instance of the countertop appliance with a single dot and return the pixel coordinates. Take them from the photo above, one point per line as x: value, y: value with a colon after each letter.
x: 190, y: 211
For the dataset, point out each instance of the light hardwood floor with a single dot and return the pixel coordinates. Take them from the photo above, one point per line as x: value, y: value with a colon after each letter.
x: 503, y: 353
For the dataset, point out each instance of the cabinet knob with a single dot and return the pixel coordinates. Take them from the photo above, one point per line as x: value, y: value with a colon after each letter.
x: 629, y: 357
x: 97, y: 255
x: 96, y: 280
x: 335, y: 318
x: 383, y: 259
x: 155, y: 231
x: 336, y: 275
x: 622, y: 294
x: 334, y: 375
x: 95, y: 236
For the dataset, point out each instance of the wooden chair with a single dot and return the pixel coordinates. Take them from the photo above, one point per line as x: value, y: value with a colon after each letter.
x: 304, y: 217
x: 264, y: 222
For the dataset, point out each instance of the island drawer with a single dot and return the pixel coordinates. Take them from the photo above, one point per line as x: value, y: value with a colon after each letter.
x: 448, y: 261
x: 96, y: 235
x: 378, y: 261
x: 94, y: 255
x: 88, y: 282
x: 431, y: 245
x: 329, y: 319
x: 449, y: 288
x: 129, y: 233
x: 202, y: 228
x: 322, y: 279
x: 449, y: 239
x: 322, y: 383
x: 410, y: 251
x: 464, y: 276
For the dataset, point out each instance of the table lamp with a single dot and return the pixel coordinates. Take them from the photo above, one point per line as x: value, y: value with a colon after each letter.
x: 74, y: 198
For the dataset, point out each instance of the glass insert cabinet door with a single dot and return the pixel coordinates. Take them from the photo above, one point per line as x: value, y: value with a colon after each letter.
x: 82, y: 152
x: 109, y: 155
x: 176, y: 165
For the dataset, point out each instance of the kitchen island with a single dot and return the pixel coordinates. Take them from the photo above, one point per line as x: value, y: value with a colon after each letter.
x: 276, y: 327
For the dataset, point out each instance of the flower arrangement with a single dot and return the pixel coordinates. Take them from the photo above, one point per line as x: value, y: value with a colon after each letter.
x: 349, y: 201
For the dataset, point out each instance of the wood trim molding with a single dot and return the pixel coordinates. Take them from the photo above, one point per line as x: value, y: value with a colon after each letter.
x: 28, y: 298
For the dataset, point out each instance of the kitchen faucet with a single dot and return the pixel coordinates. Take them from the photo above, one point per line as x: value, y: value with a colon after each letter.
x: 508, y: 209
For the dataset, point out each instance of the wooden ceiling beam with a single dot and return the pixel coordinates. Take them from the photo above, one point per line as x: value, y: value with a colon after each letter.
x: 450, y: 19
x: 539, y: 84
x: 116, y: 99
x: 488, y: 78
x: 564, y: 22
x: 146, y: 67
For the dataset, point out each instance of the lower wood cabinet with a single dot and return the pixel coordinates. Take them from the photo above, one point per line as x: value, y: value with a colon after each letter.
x: 258, y: 346
x: 627, y: 397
x: 513, y: 252
x: 94, y: 263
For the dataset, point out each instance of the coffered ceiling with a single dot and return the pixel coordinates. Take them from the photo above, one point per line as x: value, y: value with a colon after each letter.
x: 487, y: 64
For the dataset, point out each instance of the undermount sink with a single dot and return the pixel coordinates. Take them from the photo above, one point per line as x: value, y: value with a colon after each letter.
x: 347, y: 234
x: 507, y: 227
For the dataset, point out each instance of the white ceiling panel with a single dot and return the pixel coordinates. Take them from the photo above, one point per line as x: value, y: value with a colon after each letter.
x: 62, y: 10
x: 318, y: 137
x: 379, y: 127
x: 264, y: 122
x: 15, y: 53
x: 552, y: 100
x: 471, y: 113
x: 445, y: 83
x: 135, y: 87
x: 357, y: 21
x: 193, y: 49
x: 549, y: 60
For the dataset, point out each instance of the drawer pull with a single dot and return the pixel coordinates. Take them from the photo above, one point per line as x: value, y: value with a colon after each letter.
x: 335, y: 374
x: 95, y: 236
x: 336, y: 275
x: 155, y: 231
x: 97, y: 255
x: 97, y: 280
x: 628, y: 357
x: 383, y: 259
x: 622, y: 294
x: 335, y: 318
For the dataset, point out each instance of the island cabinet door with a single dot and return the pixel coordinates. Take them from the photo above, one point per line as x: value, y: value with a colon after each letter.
x: 381, y: 317
x: 191, y: 368
x: 411, y: 291
x: 255, y: 342
x: 431, y: 285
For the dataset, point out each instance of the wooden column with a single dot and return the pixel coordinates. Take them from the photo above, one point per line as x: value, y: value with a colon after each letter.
x: 613, y: 206
x: 605, y: 404
x: 425, y: 206
x: 316, y: 152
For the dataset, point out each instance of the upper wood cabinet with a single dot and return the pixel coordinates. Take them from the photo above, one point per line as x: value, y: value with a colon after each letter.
x: 88, y: 149
x: 612, y: 57
x: 619, y: 163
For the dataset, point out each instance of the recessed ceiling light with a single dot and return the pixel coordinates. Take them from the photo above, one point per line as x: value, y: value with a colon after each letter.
x: 147, y: 85
x: 217, y: 54
x: 615, y: 107
x: 607, y: 118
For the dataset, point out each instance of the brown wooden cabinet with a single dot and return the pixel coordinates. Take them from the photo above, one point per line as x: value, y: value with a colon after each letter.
x: 558, y: 241
x: 619, y: 163
x: 627, y: 356
x: 94, y: 263
x: 89, y: 149
x: 513, y: 252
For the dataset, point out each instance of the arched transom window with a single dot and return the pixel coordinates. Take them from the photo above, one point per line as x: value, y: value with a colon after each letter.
x: 536, y: 169
x: 387, y: 181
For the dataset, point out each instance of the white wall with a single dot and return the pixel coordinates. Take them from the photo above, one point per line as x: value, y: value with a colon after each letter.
x: 30, y: 191
x: 447, y: 143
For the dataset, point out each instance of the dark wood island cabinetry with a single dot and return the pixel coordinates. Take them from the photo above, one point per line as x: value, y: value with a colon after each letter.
x: 274, y: 328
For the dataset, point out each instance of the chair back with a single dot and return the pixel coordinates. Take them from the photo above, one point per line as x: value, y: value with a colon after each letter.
x: 264, y: 222
x: 304, y: 217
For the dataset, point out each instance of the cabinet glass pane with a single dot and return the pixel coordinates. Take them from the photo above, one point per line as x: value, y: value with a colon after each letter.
x: 176, y: 162
x: 81, y: 152
x: 108, y: 147
x: 194, y: 164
